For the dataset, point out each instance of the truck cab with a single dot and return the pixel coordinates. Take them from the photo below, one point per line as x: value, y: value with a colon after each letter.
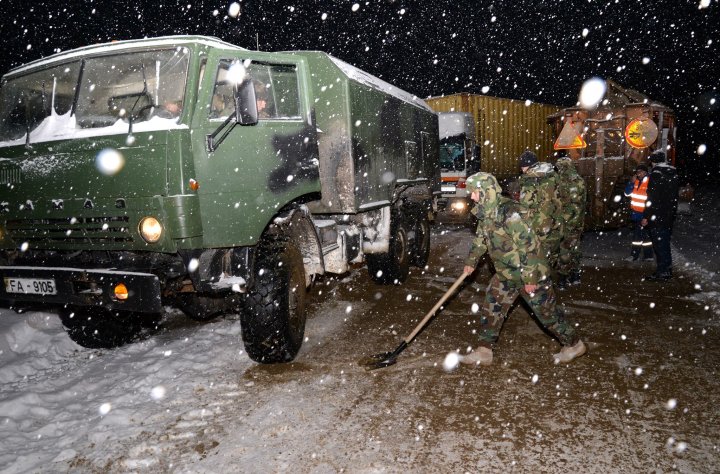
x: 459, y: 158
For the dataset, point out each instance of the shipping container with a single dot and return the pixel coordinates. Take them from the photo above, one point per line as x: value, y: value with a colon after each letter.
x: 504, y: 128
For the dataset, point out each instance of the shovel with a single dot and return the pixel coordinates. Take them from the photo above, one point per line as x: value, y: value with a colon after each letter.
x: 386, y: 359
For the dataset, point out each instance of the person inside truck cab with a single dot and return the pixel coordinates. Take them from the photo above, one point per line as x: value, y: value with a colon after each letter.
x: 170, y: 109
x: 221, y: 106
x: 262, y: 99
x: 223, y: 102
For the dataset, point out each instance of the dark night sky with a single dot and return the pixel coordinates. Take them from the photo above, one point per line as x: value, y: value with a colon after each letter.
x: 524, y: 49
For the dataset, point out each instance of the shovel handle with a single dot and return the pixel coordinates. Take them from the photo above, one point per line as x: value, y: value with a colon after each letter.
x: 440, y: 302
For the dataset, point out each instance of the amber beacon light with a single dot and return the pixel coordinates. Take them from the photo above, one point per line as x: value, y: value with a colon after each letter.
x: 121, y: 292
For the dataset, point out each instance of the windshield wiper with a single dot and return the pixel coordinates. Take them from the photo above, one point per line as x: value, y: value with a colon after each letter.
x: 143, y: 93
x: 77, y: 88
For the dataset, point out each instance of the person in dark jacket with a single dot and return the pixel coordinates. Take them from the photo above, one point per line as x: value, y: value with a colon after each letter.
x: 660, y: 212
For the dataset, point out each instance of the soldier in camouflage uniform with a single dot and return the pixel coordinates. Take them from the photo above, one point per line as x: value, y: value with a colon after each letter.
x: 521, y: 269
x: 571, y: 189
x: 538, y: 192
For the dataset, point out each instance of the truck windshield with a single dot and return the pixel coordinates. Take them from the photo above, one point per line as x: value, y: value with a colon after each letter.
x: 145, y: 87
x: 452, y: 155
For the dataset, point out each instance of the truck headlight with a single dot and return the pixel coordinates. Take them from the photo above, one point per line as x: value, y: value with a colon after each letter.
x: 150, y: 229
x: 458, y: 206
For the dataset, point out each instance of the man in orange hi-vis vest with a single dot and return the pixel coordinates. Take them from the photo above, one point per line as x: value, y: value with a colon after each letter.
x: 636, y: 190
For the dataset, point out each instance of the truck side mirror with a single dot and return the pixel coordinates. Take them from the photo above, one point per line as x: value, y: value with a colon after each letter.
x: 246, y: 112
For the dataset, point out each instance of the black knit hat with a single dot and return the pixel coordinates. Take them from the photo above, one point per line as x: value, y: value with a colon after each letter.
x: 657, y: 157
x: 641, y: 167
x: 527, y: 158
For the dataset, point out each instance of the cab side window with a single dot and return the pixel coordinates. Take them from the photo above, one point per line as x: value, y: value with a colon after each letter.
x: 276, y: 90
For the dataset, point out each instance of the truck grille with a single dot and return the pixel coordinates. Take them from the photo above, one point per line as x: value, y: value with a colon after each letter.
x: 88, y: 230
x: 10, y: 175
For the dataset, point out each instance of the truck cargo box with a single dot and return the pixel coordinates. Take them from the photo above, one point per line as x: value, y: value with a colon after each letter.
x: 372, y: 136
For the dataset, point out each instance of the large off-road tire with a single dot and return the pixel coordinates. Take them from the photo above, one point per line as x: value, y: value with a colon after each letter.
x: 421, y: 244
x: 393, y: 266
x: 273, y: 316
x: 96, y: 327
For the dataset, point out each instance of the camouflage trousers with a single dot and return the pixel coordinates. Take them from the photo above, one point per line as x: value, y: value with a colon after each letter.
x: 499, y: 298
x: 570, y: 254
x: 551, y: 246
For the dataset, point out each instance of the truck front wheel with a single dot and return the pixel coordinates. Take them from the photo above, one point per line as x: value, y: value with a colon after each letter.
x: 100, y: 328
x: 387, y: 268
x: 273, y: 317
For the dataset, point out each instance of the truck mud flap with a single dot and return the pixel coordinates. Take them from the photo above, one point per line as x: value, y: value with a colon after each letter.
x: 82, y: 287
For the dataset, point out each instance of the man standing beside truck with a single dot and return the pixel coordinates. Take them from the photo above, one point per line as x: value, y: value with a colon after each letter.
x: 571, y: 190
x: 660, y: 212
x: 636, y: 190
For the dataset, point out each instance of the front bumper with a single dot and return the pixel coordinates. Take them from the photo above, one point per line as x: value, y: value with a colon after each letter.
x: 86, y: 287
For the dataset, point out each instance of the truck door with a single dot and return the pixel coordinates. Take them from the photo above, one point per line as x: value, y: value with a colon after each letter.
x: 256, y: 169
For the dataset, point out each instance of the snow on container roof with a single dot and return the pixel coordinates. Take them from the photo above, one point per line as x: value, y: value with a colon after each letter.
x: 104, y: 48
x: 369, y: 80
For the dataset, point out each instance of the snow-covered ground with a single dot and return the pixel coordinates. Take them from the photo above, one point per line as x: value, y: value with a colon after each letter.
x: 189, y: 400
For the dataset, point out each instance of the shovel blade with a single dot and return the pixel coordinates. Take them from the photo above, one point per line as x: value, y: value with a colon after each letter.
x: 378, y: 361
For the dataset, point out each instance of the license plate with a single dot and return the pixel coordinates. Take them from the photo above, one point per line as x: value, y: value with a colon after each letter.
x: 30, y: 286
x: 447, y: 189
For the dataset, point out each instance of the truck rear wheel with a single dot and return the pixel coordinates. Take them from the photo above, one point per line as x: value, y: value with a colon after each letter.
x: 273, y: 317
x: 421, y: 245
x: 100, y: 328
x: 386, y: 268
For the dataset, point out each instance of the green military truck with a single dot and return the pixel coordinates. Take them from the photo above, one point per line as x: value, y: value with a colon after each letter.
x: 188, y: 172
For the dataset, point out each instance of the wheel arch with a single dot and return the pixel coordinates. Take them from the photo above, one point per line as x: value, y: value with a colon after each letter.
x: 294, y: 223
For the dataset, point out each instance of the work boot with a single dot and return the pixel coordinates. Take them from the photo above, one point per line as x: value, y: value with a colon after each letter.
x: 481, y: 356
x: 568, y: 353
x: 574, y: 278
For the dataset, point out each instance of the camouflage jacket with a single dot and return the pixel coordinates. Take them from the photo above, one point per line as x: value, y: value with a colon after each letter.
x: 538, y: 193
x: 571, y: 191
x: 514, y: 248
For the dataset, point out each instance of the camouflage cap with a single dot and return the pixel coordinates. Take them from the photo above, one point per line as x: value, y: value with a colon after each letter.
x: 482, y: 182
x: 563, y: 161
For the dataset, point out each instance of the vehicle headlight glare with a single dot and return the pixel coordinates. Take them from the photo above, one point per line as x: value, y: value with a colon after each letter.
x: 150, y: 229
x: 458, y: 205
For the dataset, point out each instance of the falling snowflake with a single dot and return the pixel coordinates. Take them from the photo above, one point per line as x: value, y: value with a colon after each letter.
x: 109, y: 161
x: 592, y: 92
x: 452, y: 359
x: 158, y: 393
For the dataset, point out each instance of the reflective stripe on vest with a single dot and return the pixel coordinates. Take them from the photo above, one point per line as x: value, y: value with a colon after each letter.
x: 639, y: 195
